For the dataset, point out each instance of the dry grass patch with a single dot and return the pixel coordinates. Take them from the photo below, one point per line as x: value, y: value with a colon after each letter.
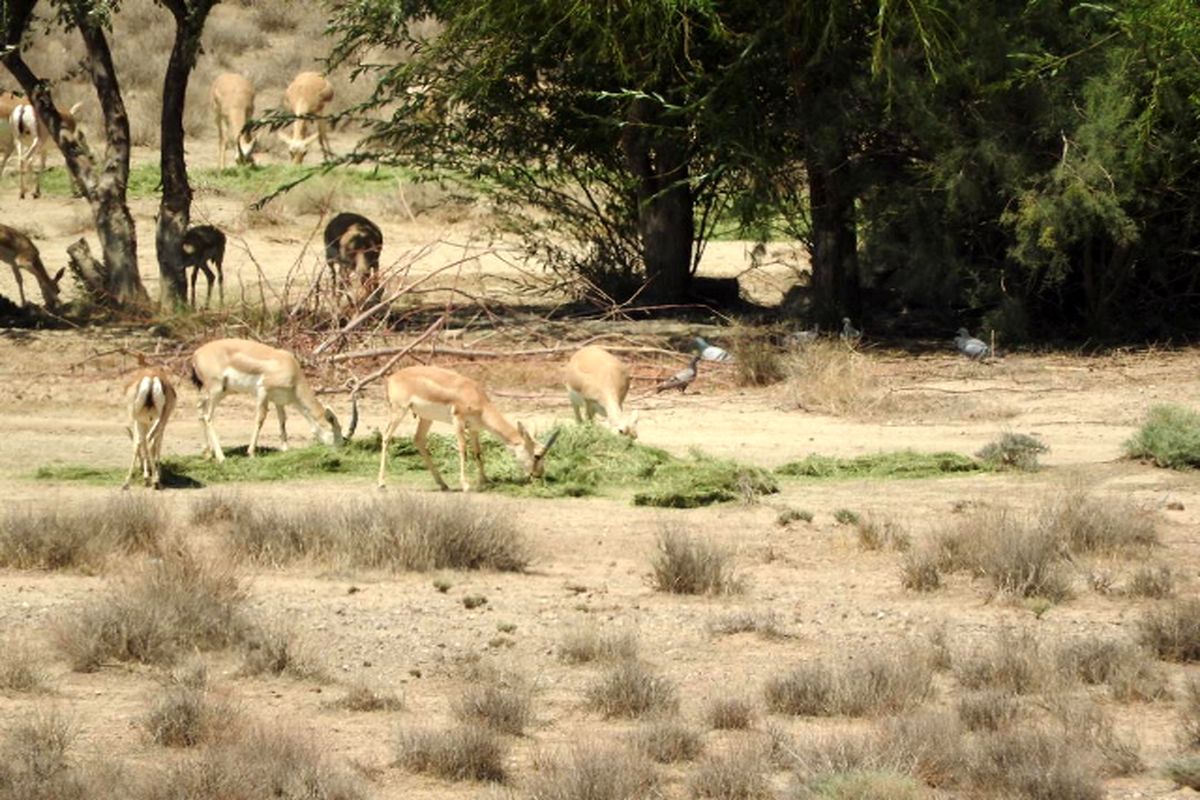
x: 502, y: 702
x: 729, y: 714
x: 863, y: 785
x: 876, y: 683
x: 461, y: 753
x: 20, y: 668
x: 1185, y: 771
x: 1189, y: 714
x: 988, y: 710
x: 1089, y: 524
x: 34, y: 764
x: 84, y: 538
x: 1087, y: 726
x: 1172, y: 631
x: 688, y: 565
x: 1126, y: 669
x: 737, y: 775
x: 667, y: 741
x: 1011, y: 662
x: 1017, y: 555
x: 828, y: 378
x: 757, y: 359
x: 1031, y: 764
x: 179, y: 603
x: 592, y: 772
x: 878, y: 533
x: 186, y: 713
x: 1153, y: 581
x: 397, y: 532
x: 363, y: 697
x: 588, y: 644
x: 764, y: 622
x: 277, y: 649
x: 632, y: 689
x: 919, y: 570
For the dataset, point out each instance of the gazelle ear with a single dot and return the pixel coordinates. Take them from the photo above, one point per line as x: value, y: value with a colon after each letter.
x: 58, y: 276
x: 524, y: 433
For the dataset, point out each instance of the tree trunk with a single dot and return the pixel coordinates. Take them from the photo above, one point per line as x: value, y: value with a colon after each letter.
x: 657, y: 157
x: 835, y: 288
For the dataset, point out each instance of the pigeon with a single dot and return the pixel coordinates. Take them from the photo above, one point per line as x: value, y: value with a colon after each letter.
x: 849, y: 332
x: 680, y: 380
x: 802, y: 338
x: 971, y: 347
x: 710, y: 352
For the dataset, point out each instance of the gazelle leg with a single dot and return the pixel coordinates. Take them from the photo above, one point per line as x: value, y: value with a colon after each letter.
x: 282, y: 414
x: 20, y: 282
x: 477, y: 454
x: 419, y: 441
x: 393, y: 421
x: 260, y: 416
x: 460, y: 433
x: 133, y: 434
x: 208, y: 408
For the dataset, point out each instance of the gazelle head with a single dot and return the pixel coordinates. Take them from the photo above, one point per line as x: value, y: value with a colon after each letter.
x: 246, y: 144
x: 626, y: 426
x: 333, y: 436
x: 298, y: 148
x: 531, y: 454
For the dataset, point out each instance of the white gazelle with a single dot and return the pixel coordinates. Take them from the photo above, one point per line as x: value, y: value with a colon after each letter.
x: 272, y: 376
x: 433, y: 394
x: 149, y: 401
x: 597, y: 382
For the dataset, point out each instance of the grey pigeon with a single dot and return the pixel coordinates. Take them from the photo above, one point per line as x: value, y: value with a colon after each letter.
x: 710, y: 352
x: 801, y: 338
x: 680, y: 380
x: 849, y: 332
x: 971, y: 347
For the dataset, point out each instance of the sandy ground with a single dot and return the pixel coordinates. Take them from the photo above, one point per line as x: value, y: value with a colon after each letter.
x: 59, y: 403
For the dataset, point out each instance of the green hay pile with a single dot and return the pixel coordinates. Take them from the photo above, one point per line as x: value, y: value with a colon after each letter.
x: 1170, y: 438
x: 702, y: 480
x: 892, y: 464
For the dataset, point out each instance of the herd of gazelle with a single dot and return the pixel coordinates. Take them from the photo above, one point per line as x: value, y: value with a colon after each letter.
x: 596, y: 382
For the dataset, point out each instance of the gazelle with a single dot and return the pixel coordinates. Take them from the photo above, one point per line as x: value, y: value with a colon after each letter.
x: 232, y: 98
x: 597, y: 382
x: 272, y: 376
x: 433, y: 394
x: 203, y: 245
x: 352, y: 247
x: 18, y: 251
x: 307, y: 95
x: 149, y: 401
x: 32, y: 140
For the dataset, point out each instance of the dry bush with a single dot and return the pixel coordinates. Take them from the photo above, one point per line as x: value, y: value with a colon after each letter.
x: 219, y: 506
x: 254, y: 762
x: 737, y: 775
x: 870, y: 785
x: 398, y: 532
x: 821, y: 762
x: 1090, y: 524
x: 729, y: 714
x: 277, y: 649
x: 361, y: 696
x: 763, y: 622
x: 1013, y: 451
x: 1012, y: 662
x: 877, y: 533
x: 929, y: 743
x: 1125, y: 668
x: 34, y: 763
x: 1154, y: 581
x: 461, y: 753
x: 20, y: 670
x: 827, y: 378
x: 502, y: 702
x: 688, y: 565
x: 587, y: 644
x: 667, y: 741
x: 757, y: 359
x: 1190, y: 713
x: 592, y: 772
x: 919, y: 570
x: 179, y: 603
x: 1172, y: 631
x: 632, y: 689
x: 988, y: 710
x: 876, y: 683
x: 1087, y: 726
x: 1017, y: 555
x: 1031, y: 764
x: 84, y: 538
x: 186, y: 714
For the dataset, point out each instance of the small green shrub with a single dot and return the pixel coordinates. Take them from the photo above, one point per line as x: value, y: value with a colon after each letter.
x: 790, y: 515
x: 1185, y: 771
x: 844, y: 516
x: 1170, y: 437
x: 1013, y: 451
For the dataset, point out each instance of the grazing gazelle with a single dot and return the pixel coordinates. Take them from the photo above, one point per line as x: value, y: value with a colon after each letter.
x: 433, y: 394
x: 149, y: 401
x: 597, y: 382
x: 233, y: 104
x: 272, y: 376
x: 306, y: 96
x: 19, y: 252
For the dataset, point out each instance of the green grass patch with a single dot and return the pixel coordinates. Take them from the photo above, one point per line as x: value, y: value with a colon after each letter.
x: 586, y: 460
x: 1170, y: 438
x: 890, y: 464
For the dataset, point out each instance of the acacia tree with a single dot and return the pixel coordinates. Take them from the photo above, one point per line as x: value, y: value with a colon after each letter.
x: 103, y: 180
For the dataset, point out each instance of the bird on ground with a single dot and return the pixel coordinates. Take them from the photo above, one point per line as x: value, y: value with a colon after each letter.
x: 801, y: 338
x: 971, y: 347
x: 710, y: 352
x: 849, y: 332
x: 680, y: 380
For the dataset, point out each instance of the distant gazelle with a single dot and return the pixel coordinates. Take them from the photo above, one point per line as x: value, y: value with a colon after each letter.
x: 272, y: 376
x: 597, y: 382
x: 149, y: 401
x: 233, y: 104
x: 19, y: 252
x: 433, y: 394
x: 307, y: 95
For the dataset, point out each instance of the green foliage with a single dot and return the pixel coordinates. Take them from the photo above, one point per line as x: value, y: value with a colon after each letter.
x: 1013, y: 451
x: 890, y: 464
x: 702, y: 480
x: 1170, y: 437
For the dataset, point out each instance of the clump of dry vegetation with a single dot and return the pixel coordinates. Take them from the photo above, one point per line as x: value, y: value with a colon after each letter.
x: 363, y: 697
x: 84, y: 538
x: 876, y: 533
x: 277, y: 649
x: 876, y: 683
x: 729, y: 714
x: 34, y: 764
x: 397, y: 532
x: 179, y: 603
x: 631, y: 689
x: 1013, y: 451
x: 594, y: 773
x: 1154, y: 581
x: 1085, y: 725
x: 688, y: 565
x: 1172, y: 631
x: 186, y: 713
x: 1122, y: 666
x: 919, y: 570
x: 1011, y: 662
x: 1031, y: 764
x: 667, y: 741
x: 737, y: 775
x: 988, y: 710
x: 461, y: 753
x: 1185, y: 771
x: 1190, y: 714
x: 864, y: 785
x: 20, y: 670
x: 826, y: 377
x: 757, y: 359
x: 764, y: 622
x: 501, y: 701
x: 587, y: 644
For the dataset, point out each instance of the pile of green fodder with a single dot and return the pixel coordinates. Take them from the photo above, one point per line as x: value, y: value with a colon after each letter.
x: 585, y: 460
x: 890, y: 464
x: 1170, y: 437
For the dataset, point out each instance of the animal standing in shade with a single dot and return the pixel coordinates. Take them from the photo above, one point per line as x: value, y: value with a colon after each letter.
x: 802, y: 338
x: 710, y: 352
x: 971, y: 347
x: 850, y: 334
x: 682, y: 379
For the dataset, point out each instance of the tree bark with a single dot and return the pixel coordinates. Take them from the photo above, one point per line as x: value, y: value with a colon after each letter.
x: 835, y: 287
x: 658, y: 159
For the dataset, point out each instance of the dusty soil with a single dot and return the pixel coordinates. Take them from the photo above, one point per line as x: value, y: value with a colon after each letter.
x: 59, y: 404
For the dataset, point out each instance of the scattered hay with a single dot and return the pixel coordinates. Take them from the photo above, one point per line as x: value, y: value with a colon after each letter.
x: 702, y: 480
x: 898, y: 464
